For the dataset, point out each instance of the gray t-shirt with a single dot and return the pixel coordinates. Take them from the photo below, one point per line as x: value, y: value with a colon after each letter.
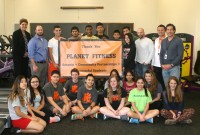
x: 87, y: 96
x: 55, y: 93
x: 72, y: 88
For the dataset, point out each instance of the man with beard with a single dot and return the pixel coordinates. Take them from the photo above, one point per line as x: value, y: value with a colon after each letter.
x: 38, y: 55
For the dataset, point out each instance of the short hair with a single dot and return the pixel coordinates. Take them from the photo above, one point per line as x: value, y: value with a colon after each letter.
x: 56, y: 26
x: 126, y: 27
x: 23, y: 20
x: 116, y: 31
x: 173, y: 26
x: 99, y: 24
x: 75, y: 28
x: 88, y: 26
x: 55, y: 72
x: 75, y: 70
x: 89, y: 76
x: 161, y: 25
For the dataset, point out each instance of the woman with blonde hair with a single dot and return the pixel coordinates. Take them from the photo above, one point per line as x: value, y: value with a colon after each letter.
x: 174, y: 111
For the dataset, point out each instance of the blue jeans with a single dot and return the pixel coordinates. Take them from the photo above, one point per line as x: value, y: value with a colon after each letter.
x: 141, y: 68
x: 175, y: 71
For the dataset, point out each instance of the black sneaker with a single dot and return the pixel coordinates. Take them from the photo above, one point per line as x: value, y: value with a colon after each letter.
x: 124, y: 117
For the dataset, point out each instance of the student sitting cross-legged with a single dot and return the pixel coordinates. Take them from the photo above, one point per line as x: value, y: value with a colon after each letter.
x: 18, y: 109
x: 140, y: 98
x: 86, y: 100
x: 174, y: 111
x: 114, y: 97
x: 57, y: 101
x: 72, y: 85
x: 37, y: 101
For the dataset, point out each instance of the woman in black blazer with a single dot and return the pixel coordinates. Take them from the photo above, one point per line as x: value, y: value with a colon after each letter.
x: 20, y: 50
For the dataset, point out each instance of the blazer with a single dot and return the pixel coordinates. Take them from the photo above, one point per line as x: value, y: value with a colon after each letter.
x: 18, y: 43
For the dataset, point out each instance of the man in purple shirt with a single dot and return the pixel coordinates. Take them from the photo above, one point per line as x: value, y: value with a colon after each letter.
x: 38, y: 55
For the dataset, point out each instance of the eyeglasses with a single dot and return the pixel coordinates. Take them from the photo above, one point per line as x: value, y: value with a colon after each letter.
x: 35, y: 82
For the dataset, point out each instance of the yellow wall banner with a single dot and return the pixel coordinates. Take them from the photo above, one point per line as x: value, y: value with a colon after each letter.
x: 96, y: 57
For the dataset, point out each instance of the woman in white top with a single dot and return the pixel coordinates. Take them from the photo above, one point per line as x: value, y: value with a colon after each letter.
x: 18, y: 109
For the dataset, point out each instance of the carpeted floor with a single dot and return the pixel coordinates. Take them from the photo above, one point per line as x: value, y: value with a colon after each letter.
x: 117, y: 127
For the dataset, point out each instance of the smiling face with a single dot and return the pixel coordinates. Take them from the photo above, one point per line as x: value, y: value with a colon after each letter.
x: 39, y: 30
x: 74, y: 76
x: 23, y: 84
x: 88, y: 30
x: 34, y: 83
x: 172, y: 84
x: 140, y: 84
x: 148, y: 77
x: 113, y: 82
x: 140, y: 33
x: 89, y: 82
x: 129, y: 77
x: 161, y: 31
x: 23, y: 26
x: 127, y: 40
x: 57, y: 32
x: 170, y: 31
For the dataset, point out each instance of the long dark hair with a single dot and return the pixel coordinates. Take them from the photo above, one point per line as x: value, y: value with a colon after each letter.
x: 154, y: 82
x: 115, y: 70
x: 39, y: 88
x: 130, y: 37
x: 17, y: 91
x: 145, y: 89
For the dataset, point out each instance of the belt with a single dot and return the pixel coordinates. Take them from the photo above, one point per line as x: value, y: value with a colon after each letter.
x: 40, y: 61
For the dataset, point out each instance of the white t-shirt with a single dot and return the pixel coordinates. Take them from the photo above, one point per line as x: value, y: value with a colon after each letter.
x: 53, y: 43
x: 16, y: 102
x: 144, y: 50
x: 156, y: 56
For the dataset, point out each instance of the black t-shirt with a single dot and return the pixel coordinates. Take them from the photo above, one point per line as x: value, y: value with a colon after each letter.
x: 72, y: 88
x: 115, y: 98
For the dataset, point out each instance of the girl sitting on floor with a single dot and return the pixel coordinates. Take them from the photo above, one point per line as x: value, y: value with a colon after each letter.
x: 18, y: 109
x: 140, y: 98
x: 114, y: 97
x: 174, y: 111
x: 155, y: 89
x: 37, y: 101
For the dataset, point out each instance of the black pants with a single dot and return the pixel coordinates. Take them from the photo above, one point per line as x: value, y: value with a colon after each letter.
x: 21, y: 66
x: 158, y: 73
x: 156, y: 105
x: 47, y: 116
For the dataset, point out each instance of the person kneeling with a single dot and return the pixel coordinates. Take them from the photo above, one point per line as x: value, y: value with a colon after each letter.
x: 86, y: 97
x: 114, y: 97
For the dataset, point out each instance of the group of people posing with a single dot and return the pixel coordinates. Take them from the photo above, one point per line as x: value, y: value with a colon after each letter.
x: 132, y: 99
x: 150, y: 85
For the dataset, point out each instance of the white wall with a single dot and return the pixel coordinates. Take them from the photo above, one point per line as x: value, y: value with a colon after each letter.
x: 143, y: 13
x: 185, y: 15
x: 2, y: 28
x: 137, y: 11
